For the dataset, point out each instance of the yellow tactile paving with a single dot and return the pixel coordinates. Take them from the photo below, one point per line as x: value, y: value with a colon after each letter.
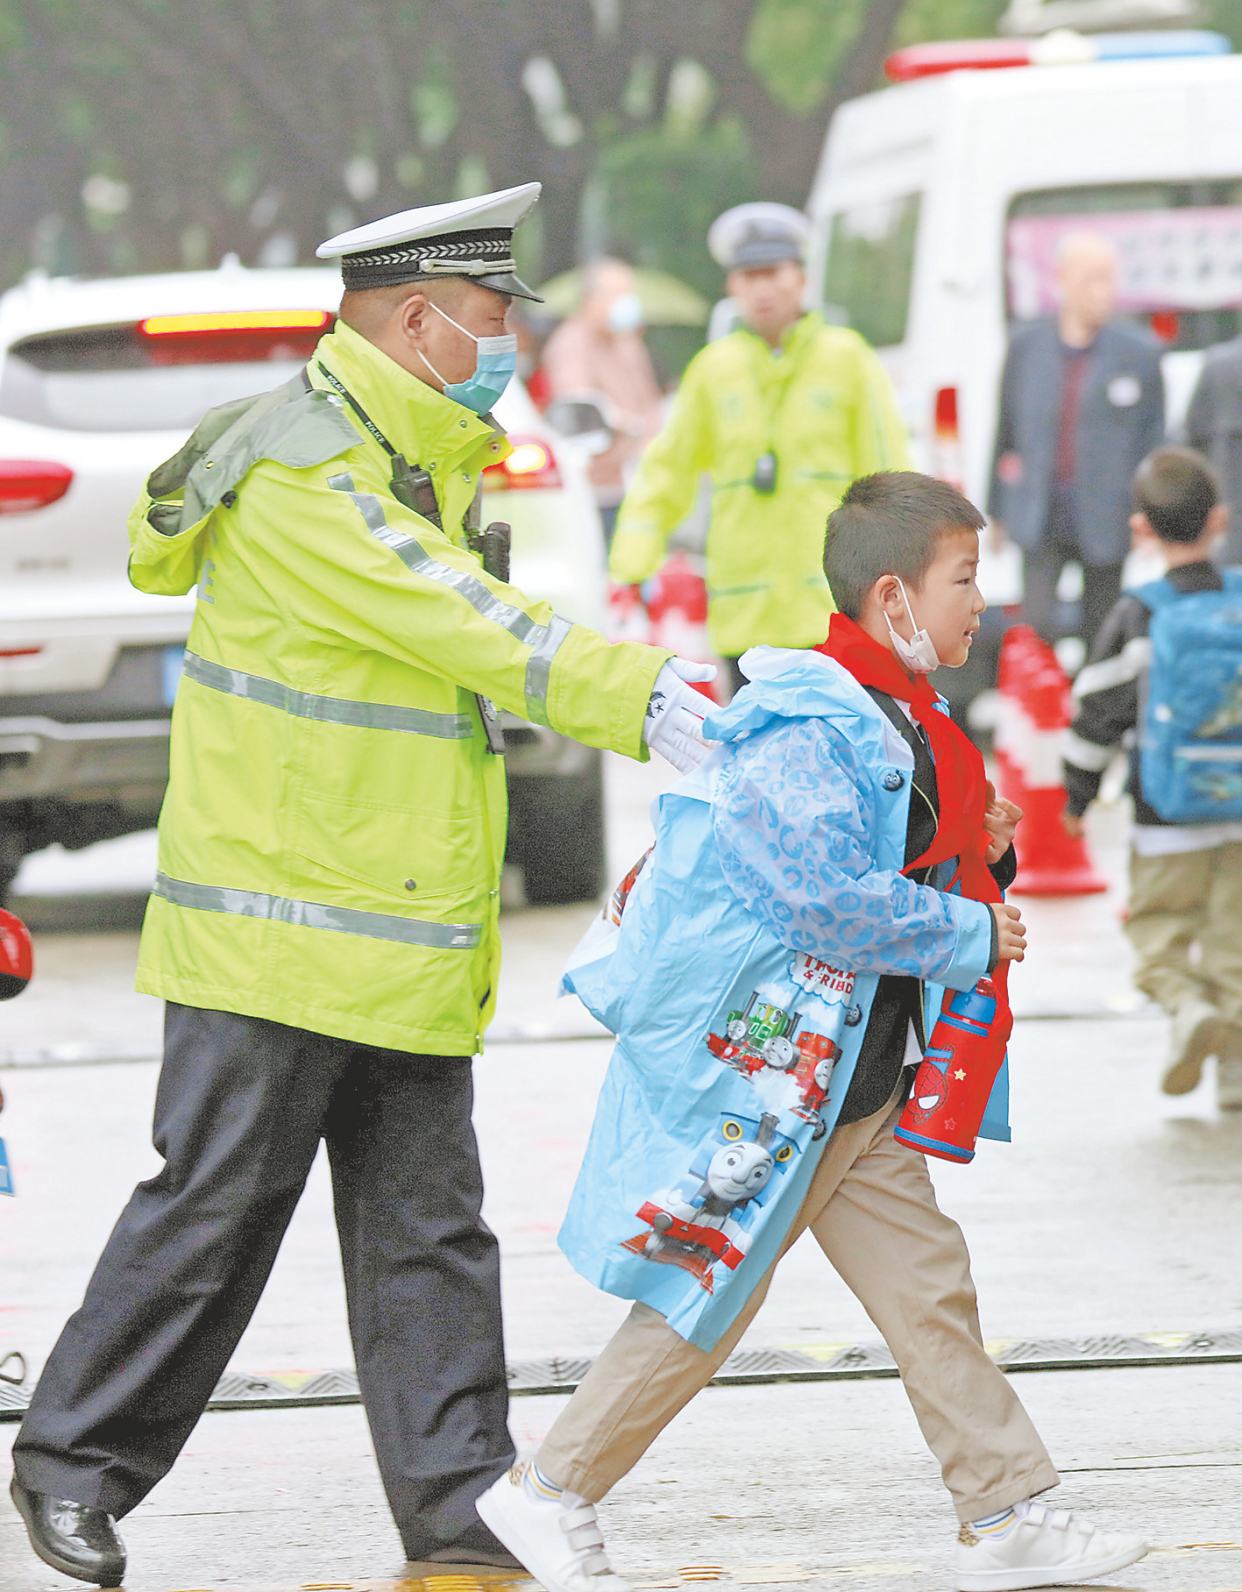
x: 785, y: 1572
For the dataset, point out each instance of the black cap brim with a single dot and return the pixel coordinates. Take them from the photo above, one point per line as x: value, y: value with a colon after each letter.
x: 507, y: 283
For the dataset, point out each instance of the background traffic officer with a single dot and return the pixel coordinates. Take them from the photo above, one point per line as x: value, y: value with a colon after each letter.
x: 782, y: 414
x: 324, y: 922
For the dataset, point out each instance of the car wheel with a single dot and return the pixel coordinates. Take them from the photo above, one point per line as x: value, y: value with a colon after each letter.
x: 556, y: 825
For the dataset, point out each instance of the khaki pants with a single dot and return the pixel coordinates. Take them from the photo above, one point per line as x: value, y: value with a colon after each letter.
x: 1192, y: 898
x: 873, y: 1212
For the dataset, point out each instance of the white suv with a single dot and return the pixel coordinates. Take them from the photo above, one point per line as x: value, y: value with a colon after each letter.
x: 99, y: 382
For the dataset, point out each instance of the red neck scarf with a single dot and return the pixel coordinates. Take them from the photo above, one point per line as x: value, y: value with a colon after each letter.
x: 960, y: 776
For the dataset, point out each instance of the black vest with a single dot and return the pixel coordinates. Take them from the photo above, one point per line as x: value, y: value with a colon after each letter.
x: 898, y: 997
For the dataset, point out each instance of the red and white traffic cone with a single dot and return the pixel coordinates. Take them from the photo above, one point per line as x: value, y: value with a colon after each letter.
x: 627, y: 614
x: 1037, y: 710
x: 677, y: 606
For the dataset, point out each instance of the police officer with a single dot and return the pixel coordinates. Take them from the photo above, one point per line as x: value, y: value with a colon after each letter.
x: 782, y: 414
x: 324, y: 923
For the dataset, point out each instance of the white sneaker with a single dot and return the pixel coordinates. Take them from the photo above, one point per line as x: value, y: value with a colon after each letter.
x: 1229, y: 1083
x: 558, y: 1539
x: 1046, y: 1547
x: 1195, y: 1033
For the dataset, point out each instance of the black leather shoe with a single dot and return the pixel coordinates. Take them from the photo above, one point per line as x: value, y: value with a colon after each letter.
x: 70, y: 1537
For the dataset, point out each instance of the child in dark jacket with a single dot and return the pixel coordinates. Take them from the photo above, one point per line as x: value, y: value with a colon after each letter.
x: 1185, y: 917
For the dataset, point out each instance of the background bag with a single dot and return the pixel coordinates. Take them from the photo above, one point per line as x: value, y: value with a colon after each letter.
x: 1190, y: 731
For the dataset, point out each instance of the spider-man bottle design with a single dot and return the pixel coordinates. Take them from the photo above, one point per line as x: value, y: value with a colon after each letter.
x: 959, y: 1067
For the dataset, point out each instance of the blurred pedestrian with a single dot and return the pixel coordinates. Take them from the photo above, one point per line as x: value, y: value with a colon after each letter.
x: 598, y: 354
x: 1081, y: 402
x: 782, y: 415
x: 324, y: 926
x: 1185, y: 915
x: 1214, y: 427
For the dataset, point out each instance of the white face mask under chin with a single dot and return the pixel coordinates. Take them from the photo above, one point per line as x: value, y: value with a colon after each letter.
x: 919, y: 653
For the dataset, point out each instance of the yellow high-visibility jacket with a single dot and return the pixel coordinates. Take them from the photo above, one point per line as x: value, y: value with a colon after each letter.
x: 825, y: 407
x: 333, y: 833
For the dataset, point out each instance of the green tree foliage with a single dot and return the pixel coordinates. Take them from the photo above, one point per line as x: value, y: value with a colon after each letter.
x: 1226, y: 17
x: 796, y: 47
x: 155, y: 134
x: 705, y: 173
x: 151, y: 134
x: 921, y: 20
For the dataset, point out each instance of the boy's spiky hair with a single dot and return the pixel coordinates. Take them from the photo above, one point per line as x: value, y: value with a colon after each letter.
x: 1176, y: 489
x: 890, y: 523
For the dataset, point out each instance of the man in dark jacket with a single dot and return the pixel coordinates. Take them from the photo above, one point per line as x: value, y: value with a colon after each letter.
x: 1082, y: 401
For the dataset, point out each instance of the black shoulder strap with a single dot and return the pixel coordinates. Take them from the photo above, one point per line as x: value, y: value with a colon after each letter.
x: 924, y: 763
x: 410, y: 484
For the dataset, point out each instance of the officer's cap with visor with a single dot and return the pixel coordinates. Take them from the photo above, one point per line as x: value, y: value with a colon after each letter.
x: 471, y: 238
x: 751, y: 236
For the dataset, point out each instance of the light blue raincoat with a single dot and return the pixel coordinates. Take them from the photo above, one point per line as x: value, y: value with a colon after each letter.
x: 739, y: 982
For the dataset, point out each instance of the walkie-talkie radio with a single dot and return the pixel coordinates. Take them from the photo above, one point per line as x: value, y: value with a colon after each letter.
x: 492, y: 545
x: 764, y: 478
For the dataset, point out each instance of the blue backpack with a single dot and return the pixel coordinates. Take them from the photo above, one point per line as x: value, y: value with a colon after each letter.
x: 1190, y: 733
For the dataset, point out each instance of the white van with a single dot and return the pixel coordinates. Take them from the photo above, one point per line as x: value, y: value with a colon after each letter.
x: 939, y: 204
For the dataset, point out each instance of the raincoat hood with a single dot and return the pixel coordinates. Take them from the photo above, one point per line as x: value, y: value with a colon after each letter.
x: 787, y: 684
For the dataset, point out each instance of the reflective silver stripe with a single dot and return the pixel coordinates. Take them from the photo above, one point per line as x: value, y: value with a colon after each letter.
x: 539, y: 668
x: 1085, y: 754
x: 1109, y: 672
x: 311, y: 915
x: 1231, y: 753
x: 544, y: 640
x: 328, y: 710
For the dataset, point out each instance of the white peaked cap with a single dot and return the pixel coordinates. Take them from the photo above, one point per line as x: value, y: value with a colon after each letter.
x: 472, y: 238
x: 758, y: 234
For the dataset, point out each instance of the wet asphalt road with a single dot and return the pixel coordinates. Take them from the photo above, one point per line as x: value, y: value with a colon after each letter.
x: 1115, y: 1211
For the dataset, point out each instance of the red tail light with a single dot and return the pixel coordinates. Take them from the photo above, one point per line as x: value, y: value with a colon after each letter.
x: 234, y: 321
x: 529, y: 465
x: 233, y: 337
x: 27, y: 484
x: 946, y: 438
x: 946, y: 414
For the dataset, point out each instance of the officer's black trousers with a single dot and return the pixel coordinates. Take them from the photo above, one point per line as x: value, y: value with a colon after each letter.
x: 241, y: 1107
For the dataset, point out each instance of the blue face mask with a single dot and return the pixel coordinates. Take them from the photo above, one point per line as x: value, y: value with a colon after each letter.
x: 494, y: 366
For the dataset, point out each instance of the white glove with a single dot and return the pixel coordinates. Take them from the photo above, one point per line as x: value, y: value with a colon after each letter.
x: 674, y: 722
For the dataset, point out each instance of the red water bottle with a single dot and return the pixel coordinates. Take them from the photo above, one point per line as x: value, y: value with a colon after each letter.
x: 959, y: 1067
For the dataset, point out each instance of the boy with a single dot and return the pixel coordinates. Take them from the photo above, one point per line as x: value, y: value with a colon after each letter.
x: 1185, y: 878
x: 800, y: 891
